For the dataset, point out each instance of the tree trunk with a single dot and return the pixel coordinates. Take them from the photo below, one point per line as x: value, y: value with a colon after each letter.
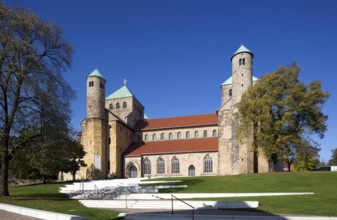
x: 4, y: 174
x: 44, y: 179
x: 4, y: 163
x: 74, y: 173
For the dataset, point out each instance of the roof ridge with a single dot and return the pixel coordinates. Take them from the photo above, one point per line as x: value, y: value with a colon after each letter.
x: 183, y: 116
x: 121, y: 93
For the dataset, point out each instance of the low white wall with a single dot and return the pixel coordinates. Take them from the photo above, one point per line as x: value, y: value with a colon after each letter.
x: 39, y: 213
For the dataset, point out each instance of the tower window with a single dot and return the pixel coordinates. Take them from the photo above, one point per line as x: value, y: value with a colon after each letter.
x: 240, y: 62
x: 101, y: 86
x: 230, y: 93
x: 196, y: 134
x: 154, y: 137
x: 124, y: 105
x: 187, y: 134
x: 117, y: 105
x: 170, y: 136
x: 205, y: 133
x: 111, y: 106
x: 162, y: 136
x: 146, y: 137
x: 91, y: 83
x: 243, y: 61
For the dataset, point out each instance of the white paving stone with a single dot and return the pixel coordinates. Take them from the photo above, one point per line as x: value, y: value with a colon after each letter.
x: 209, y: 195
x: 167, y: 204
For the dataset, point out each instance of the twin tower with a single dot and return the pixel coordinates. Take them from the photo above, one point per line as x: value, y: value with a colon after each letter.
x: 236, y: 155
x: 107, y: 130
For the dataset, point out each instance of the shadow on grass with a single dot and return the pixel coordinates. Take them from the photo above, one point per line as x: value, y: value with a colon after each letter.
x: 41, y: 195
x: 35, y: 198
x: 203, y: 212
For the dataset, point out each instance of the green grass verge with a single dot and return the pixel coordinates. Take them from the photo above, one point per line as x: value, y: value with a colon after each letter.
x: 322, y: 184
x: 322, y: 203
x: 47, y: 197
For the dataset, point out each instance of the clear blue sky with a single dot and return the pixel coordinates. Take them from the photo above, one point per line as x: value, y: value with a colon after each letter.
x: 175, y: 54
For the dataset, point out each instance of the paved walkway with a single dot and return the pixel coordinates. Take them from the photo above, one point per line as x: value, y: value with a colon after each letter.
x: 4, y: 215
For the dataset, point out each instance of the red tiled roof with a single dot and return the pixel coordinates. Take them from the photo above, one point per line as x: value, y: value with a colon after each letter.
x: 177, y: 122
x: 173, y: 146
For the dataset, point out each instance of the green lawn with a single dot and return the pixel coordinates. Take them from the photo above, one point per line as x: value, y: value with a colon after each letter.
x: 47, y: 197
x: 322, y: 203
x: 322, y: 184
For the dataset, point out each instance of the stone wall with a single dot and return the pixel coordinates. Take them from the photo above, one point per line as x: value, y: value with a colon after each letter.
x: 185, y: 161
x: 148, y: 135
x: 94, y: 142
x: 225, y: 142
x: 120, y: 140
x: 95, y: 97
x: 130, y: 110
x: 241, y: 76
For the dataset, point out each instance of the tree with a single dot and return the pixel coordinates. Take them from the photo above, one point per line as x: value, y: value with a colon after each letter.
x: 72, y: 161
x: 283, y: 113
x: 333, y: 160
x: 307, y: 158
x: 59, y: 152
x: 33, y: 93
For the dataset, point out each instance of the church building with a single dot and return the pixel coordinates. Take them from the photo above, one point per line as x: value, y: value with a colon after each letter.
x: 120, y: 141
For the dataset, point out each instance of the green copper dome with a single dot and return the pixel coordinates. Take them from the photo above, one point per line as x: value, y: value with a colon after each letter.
x: 242, y: 49
x: 120, y: 93
x: 96, y: 73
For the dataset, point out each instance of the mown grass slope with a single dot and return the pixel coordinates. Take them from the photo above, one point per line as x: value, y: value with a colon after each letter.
x: 47, y: 197
x: 322, y: 184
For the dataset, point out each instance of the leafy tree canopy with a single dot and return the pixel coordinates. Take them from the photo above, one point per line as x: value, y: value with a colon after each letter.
x: 34, y: 97
x: 283, y: 113
x: 333, y: 160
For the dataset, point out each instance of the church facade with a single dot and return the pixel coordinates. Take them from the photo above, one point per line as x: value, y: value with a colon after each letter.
x: 120, y: 141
